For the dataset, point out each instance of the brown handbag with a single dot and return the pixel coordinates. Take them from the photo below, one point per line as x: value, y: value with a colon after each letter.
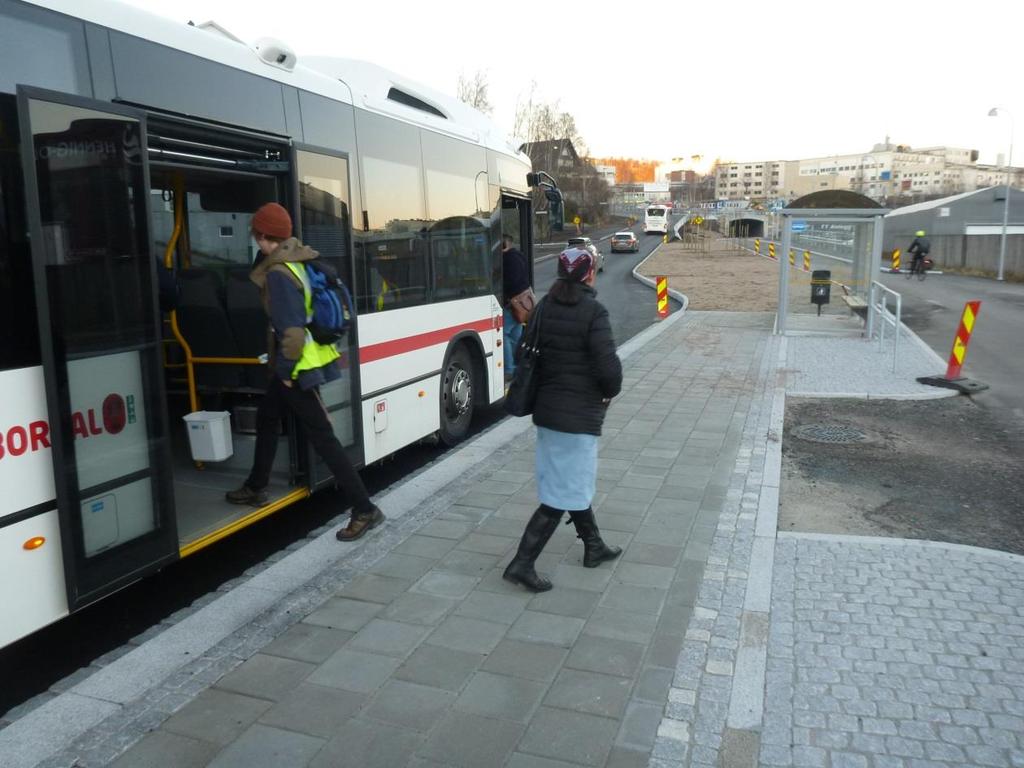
x: 522, y: 305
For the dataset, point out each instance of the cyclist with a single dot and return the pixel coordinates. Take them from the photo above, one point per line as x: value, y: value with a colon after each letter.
x: 919, y: 249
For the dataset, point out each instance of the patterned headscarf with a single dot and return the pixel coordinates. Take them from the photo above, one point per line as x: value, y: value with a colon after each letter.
x: 575, y: 264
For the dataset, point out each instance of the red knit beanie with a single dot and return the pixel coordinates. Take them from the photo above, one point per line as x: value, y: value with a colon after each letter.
x: 272, y: 220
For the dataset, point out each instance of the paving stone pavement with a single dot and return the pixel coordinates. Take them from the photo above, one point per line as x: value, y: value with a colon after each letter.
x: 425, y: 656
x: 894, y: 653
x: 712, y: 641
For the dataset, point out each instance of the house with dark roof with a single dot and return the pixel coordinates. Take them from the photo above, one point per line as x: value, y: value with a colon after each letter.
x: 554, y: 156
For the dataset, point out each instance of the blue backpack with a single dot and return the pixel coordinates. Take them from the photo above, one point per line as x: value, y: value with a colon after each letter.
x: 332, y: 303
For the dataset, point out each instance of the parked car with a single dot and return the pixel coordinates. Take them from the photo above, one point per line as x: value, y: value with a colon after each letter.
x: 625, y: 241
x: 585, y: 242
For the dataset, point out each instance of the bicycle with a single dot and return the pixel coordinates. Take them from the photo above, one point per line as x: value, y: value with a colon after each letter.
x: 919, y: 267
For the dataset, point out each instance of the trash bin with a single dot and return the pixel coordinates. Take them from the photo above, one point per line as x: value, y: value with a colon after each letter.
x: 821, y: 287
x: 209, y: 435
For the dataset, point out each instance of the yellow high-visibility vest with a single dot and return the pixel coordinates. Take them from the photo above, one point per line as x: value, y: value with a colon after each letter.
x: 313, y: 355
x: 385, y: 289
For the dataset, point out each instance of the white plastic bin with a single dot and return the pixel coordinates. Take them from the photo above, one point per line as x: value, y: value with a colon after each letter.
x: 209, y: 435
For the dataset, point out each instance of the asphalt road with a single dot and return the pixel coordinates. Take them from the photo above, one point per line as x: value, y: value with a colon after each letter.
x: 995, y: 354
x: 631, y: 305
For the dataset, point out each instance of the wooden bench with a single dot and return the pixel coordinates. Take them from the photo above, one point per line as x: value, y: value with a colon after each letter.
x: 857, y: 304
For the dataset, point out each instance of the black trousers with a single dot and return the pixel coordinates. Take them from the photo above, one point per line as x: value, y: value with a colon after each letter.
x: 307, y: 407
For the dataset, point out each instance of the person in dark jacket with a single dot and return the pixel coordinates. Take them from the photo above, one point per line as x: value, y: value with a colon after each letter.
x: 919, y: 248
x: 579, y: 374
x: 515, y: 278
x: 298, y: 367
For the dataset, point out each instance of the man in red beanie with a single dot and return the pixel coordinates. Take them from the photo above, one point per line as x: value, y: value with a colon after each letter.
x: 298, y: 367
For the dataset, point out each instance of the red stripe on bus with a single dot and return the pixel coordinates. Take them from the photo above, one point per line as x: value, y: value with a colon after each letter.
x: 373, y: 352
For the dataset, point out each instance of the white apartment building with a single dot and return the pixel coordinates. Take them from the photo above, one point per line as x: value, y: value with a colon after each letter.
x: 656, y: 192
x: 886, y: 171
x: 760, y: 180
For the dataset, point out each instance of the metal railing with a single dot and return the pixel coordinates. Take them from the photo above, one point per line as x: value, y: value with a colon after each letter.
x: 880, y: 315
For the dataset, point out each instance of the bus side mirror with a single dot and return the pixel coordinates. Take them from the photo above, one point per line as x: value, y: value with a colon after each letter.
x: 556, y: 211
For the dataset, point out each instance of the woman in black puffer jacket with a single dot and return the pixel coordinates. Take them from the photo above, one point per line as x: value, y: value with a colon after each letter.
x: 579, y: 374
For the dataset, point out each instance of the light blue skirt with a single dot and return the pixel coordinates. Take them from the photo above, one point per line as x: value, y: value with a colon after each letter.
x: 566, y: 469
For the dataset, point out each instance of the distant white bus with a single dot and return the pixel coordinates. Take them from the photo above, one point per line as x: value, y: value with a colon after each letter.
x: 656, y: 219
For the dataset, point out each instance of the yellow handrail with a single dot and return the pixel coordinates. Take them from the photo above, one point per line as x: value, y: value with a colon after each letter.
x: 173, y: 242
x: 191, y: 360
x: 228, y: 360
x: 179, y: 219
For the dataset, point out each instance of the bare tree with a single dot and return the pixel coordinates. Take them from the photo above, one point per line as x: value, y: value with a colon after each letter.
x: 542, y: 121
x: 473, y: 91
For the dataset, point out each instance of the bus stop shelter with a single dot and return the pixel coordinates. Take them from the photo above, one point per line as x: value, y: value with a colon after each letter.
x: 831, y: 250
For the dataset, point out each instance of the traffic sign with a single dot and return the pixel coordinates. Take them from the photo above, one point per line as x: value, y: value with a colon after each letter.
x: 798, y: 225
x: 575, y: 219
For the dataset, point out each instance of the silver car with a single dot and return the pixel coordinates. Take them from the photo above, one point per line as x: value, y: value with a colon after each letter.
x: 586, y: 242
x: 625, y: 241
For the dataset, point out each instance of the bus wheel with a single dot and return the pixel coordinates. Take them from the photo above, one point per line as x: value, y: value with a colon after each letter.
x: 456, y: 397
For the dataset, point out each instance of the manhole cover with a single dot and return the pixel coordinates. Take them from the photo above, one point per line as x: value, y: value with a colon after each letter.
x: 830, y: 433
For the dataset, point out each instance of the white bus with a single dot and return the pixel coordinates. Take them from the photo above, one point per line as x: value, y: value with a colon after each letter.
x: 656, y: 219
x: 133, y: 151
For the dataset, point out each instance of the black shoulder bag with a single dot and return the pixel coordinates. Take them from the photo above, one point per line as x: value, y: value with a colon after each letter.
x: 522, y: 391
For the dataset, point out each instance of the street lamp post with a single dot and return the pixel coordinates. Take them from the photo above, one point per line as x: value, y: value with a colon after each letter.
x: 994, y: 112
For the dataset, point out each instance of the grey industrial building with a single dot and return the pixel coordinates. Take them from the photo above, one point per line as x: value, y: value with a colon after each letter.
x: 965, y: 230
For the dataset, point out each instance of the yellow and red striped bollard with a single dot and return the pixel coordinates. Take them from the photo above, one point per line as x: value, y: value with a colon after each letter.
x: 896, y: 260
x: 757, y: 247
x: 792, y: 258
x: 807, y: 261
x: 662, y: 284
x: 963, y: 335
x: 771, y: 250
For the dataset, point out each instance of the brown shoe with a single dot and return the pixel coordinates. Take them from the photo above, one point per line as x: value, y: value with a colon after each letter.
x: 358, y: 525
x: 246, y: 495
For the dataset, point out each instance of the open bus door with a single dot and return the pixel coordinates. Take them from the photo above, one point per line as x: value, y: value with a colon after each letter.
x: 322, y: 191
x: 87, y: 195
x: 517, y: 220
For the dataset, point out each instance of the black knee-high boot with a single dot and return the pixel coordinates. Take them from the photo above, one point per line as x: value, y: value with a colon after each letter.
x: 595, y: 551
x: 539, y: 529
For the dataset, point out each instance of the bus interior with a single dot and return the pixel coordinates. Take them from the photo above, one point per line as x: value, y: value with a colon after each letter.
x: 203, y: 192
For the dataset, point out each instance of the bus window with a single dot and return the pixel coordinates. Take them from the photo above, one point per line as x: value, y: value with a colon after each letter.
x: 19, y: 339
x: 392, y: 252
x: 460, y: 251
x: 459, y: 238
x: 42, y: 49
x: 103, y: 285
x: 324, y: 206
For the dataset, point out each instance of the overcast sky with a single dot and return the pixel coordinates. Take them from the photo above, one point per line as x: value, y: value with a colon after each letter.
x: 737, y: 80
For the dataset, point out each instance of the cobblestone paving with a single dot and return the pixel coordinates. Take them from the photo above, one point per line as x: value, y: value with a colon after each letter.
x: 894, y: 654
x: 699, y: 699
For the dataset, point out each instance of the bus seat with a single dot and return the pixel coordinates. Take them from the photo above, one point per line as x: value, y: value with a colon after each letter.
x: 248, y: 322
x: 204, y: 324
